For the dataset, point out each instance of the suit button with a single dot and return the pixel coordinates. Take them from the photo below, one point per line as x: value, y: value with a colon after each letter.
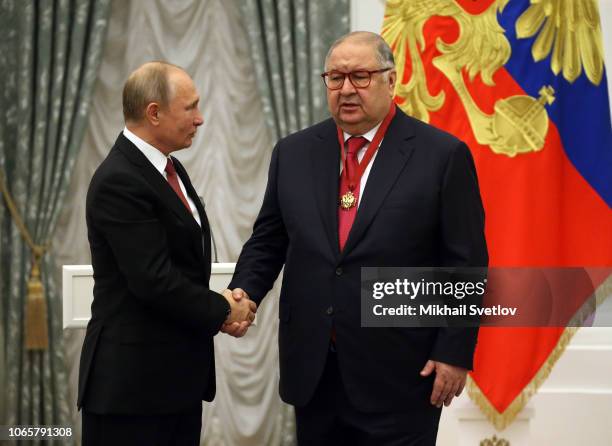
x: 339, y: 271
x: 330, y: 311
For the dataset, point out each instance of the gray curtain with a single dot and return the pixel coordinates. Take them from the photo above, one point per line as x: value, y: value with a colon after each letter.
x: 289, y: 40
x: 49, y: 56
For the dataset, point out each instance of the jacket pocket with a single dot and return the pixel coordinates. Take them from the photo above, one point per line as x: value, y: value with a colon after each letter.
x: 143, y: 334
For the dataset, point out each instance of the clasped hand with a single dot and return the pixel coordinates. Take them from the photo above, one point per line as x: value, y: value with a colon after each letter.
x: 242, y: 314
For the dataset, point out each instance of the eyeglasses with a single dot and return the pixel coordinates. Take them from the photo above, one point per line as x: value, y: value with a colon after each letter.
x: 334, y: 80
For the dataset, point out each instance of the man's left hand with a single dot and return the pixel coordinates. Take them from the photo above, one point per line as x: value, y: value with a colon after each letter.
x: 449, y: 382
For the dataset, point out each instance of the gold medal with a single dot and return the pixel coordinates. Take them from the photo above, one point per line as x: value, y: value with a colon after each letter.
x: 348, y: 201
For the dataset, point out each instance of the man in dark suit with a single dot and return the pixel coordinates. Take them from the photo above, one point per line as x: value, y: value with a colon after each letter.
x: 147, y: 360
x: 412, y: 201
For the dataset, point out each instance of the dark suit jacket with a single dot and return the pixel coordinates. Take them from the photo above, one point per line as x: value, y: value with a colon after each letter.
x: 421, y: 207
x: 149, y: 344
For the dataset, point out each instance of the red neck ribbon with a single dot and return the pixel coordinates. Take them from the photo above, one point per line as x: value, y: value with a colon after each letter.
x: 380, y: 133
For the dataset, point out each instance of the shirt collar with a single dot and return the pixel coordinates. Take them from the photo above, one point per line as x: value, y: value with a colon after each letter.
x: 367, y: 135
x: 155, y: 157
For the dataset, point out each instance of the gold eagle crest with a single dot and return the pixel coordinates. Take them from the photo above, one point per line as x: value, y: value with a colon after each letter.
x: 519, y: 124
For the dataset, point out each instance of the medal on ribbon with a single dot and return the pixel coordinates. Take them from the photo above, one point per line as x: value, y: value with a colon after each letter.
x: 348, y: 200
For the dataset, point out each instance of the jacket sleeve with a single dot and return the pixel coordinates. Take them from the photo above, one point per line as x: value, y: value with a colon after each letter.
x: 263, y: 255
x: 122, y: 210
x: 462, y: 243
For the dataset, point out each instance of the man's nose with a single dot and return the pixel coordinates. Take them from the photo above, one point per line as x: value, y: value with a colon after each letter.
x: 199, y: 120
x: 347, y: 87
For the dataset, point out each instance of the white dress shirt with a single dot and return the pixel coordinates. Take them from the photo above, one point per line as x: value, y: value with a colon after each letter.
x: 369, y: 136
x: 159, y: 161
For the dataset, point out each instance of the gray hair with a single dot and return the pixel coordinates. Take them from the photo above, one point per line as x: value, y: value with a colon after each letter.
x: 148, y: 83
x: 383, y: 50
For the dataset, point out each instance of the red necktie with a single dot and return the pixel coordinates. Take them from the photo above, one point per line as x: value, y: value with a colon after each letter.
x: 346, y: 217
x: 174, y: 183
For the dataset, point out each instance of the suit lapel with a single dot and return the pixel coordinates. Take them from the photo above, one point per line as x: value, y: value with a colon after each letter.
x: 182, y: 173
x: 205, y: 230
x: 390, y: 160
x: 157, y: 181
x: 325, y: 158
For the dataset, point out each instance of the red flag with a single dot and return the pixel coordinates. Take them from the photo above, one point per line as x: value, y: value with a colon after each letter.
x: 532, y: 104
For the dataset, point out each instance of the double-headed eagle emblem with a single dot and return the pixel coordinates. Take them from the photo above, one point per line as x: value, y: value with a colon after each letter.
x: 569, y: 30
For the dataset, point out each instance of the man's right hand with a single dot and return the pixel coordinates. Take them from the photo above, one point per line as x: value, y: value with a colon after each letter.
x: 242, y: 313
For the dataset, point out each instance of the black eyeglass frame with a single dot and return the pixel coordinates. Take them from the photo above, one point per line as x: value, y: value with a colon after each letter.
x: 349, y: 75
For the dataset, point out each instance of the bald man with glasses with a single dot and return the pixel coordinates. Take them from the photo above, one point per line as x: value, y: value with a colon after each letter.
x: 369, y: 187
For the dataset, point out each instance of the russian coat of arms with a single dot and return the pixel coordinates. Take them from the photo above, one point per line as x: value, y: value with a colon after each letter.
x: 568, y: 30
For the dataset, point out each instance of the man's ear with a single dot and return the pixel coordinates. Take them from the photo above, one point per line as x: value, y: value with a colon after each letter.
x: 392, y: 80
x: 152, y: 113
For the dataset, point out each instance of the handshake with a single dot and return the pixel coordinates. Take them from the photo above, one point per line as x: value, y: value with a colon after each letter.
x: 242, y: 313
